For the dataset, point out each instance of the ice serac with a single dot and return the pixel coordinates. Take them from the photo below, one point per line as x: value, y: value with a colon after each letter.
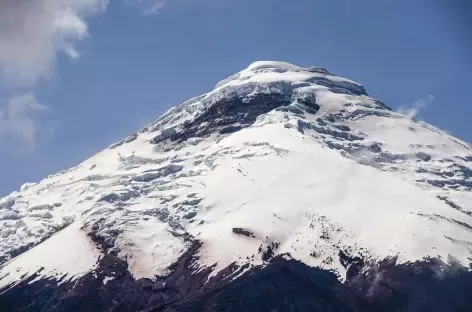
x: 283, y: 189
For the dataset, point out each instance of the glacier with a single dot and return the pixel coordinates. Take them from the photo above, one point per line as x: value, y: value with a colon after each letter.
x: 278, y: 164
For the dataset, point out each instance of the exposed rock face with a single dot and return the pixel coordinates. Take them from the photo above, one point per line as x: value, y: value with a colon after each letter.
x: 283, y: 284
x: 229, y: 115
x: 283, y: 189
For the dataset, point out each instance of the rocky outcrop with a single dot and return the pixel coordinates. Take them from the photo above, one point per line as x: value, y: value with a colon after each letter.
x: 229, y: 115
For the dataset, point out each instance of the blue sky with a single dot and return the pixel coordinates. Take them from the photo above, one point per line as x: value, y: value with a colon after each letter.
x: 128, y: 67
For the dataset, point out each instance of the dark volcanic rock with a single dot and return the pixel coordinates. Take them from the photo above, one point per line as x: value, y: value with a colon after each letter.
x: 90, y: 293
x: 289, y: 285
x: 240, y: 231
x: 340, y: 135
x: 223, y: 115
x: 283, y: 284
x: 423, y: 156
x: 237, y: 111
x: 122, y: 196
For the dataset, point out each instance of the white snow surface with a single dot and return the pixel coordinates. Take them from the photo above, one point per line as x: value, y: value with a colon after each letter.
x: 309, y: 192
x: 65, y: 256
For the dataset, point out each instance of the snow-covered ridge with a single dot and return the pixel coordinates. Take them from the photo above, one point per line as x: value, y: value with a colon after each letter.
x: 259, y: 77
x: 277, y: 159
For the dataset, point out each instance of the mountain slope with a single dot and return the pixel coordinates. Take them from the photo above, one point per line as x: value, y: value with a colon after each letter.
x: 278, y: 167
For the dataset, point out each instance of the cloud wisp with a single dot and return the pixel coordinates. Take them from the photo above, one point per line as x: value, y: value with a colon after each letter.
x: 413, y: 110
x: 19, y: 125
x: 148, y: 6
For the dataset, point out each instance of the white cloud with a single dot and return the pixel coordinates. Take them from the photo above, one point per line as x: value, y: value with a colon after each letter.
x: 19, y: 129
x: 148, y: 6
x: 32, y: 34
x: 413, y: 110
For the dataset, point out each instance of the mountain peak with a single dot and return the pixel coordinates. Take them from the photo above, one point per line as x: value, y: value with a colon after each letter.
x: 283, y: 66
x: 266, y: 68
x: 237, y: 101
x: 278, y: 168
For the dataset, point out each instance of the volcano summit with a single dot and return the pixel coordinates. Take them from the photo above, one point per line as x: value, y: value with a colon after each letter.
x: 283, y: 189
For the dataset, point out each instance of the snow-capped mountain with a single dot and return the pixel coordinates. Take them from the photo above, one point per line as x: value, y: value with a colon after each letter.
x: 283, y: 189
